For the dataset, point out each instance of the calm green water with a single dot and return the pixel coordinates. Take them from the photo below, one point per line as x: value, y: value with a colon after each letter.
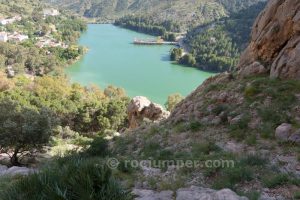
x: 112, y: 59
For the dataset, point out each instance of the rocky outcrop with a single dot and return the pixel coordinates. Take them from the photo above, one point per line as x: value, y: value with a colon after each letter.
x: 152, y: 195
x: 189, y: 108
x: 275, y: 42
x: 195, y: 193
x: 192, y: 193
x: 141, y: 108
x: 285, y: 133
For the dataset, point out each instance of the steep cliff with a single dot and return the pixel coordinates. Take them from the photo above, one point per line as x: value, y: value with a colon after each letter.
x: 275, y: 42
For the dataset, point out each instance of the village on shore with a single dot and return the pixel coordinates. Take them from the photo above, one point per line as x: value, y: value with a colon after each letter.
x: 40, y: 40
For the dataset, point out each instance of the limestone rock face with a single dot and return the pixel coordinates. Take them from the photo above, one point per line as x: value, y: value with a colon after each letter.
x: 275, y: 42
x: 140, y: 108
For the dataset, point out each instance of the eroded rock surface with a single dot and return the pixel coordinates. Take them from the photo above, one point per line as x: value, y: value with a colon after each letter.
x: 275, y: 42
x: 140, y: 108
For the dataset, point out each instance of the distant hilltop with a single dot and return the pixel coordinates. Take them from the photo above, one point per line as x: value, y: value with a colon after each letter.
x: 185, y: 12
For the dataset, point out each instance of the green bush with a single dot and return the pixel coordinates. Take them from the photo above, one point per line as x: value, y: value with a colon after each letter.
x: 229, y: 177
x: 69, y: 178
x: 297, y: 195
x: 151, y: 149
x: 253, y: 160
x: 251, y: 91
x: 204, y: 148
x: 275, y: 180
x: 238, y: 130
x: 98, y: 147
x: 252, y: 195
x: 195, y: 126
x: 251, y: 139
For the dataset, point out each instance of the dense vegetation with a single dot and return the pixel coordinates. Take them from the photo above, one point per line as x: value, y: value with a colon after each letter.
x: 166, y: 29
x: 27, y: 56
x: 49, y: 111
x: 217, y: 46
x: 73, y: 178
x: 35, y: 105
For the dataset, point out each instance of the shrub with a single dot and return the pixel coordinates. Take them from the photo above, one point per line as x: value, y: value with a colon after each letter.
x: 251, y: 139
x: 195, y: 126
x: 267, y: 130
x: 297, y: 195
x: 275, y: 180
x: 204, y: 148
x: 251, y: 91
x: 253, y: 160
x: 238, y: 130
x: 151, y: 149
x: 252, y: 195
x: 98, y: 147
x: 229, y: 177
x: 173, y: 100
x: 70, y: 178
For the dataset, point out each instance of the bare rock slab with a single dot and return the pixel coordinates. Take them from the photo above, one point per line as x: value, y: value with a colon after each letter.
x: 152, y: 195
x: 199, y: 193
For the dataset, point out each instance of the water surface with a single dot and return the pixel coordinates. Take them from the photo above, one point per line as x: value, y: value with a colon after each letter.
x: 112, y: 59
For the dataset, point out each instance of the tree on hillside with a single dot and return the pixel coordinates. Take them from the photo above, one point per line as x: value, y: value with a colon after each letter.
x: 173, y: 100
x: 22, y: 130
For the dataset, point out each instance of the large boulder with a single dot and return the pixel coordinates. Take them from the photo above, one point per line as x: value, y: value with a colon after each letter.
x: 140, y: 108
x: 275, y: 42
x: 283, y: 131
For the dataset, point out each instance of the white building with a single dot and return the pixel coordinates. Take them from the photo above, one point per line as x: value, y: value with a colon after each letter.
x: 3, y: 37
x: 50, y: 12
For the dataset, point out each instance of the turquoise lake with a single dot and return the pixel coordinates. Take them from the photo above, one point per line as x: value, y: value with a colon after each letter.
x: 112, y: 59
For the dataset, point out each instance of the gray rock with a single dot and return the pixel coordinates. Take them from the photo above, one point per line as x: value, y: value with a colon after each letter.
x: 252, y: 69
x: 13, y: 171
x: 283, y: 131
x: 232, y: 146
x: 199, y: 193
x: 3, y: 168
x: 216, y: 121
x: 266, y: 196
x: 295, y: 137
x: 141, y: 108
x: 152, y: 195
x: 236, y: 119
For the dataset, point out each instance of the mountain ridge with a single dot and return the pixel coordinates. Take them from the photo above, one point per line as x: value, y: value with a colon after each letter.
x: 186, y: 12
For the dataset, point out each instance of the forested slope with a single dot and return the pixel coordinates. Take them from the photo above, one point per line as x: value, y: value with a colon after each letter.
x: 186, y: 12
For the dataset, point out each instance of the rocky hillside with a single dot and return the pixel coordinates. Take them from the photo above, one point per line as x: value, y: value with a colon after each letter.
x: 251, y: 116
x: 184, y: 11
